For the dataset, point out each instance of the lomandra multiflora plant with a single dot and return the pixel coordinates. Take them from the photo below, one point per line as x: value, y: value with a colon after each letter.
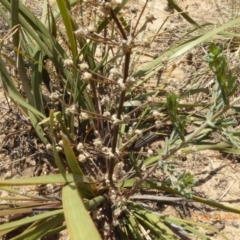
x: 87, y: 98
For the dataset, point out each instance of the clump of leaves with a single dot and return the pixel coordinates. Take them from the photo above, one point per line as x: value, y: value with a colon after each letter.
x: 88, y: 104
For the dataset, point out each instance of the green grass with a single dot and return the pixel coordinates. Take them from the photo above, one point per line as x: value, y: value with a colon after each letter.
x: 87, y: 100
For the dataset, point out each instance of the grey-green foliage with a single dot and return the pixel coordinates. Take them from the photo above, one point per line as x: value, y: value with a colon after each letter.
x: 226, y: 82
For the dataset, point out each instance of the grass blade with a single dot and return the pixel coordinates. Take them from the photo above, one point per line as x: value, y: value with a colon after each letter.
x: 79, y: 223
x: 57, y: 178
x: 69, y: 28
x: 86, y: 190
x: 28, y: 220
x: 41, y: 229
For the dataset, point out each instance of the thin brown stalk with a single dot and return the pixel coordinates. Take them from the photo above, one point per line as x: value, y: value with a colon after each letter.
x: 122, y: 98
x: 143, y: 9
x: 118, y: 24
x: 111, y: 162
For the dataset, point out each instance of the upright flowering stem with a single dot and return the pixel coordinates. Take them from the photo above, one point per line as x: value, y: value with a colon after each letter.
x: 113, y: 15
x: 122, y: 97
